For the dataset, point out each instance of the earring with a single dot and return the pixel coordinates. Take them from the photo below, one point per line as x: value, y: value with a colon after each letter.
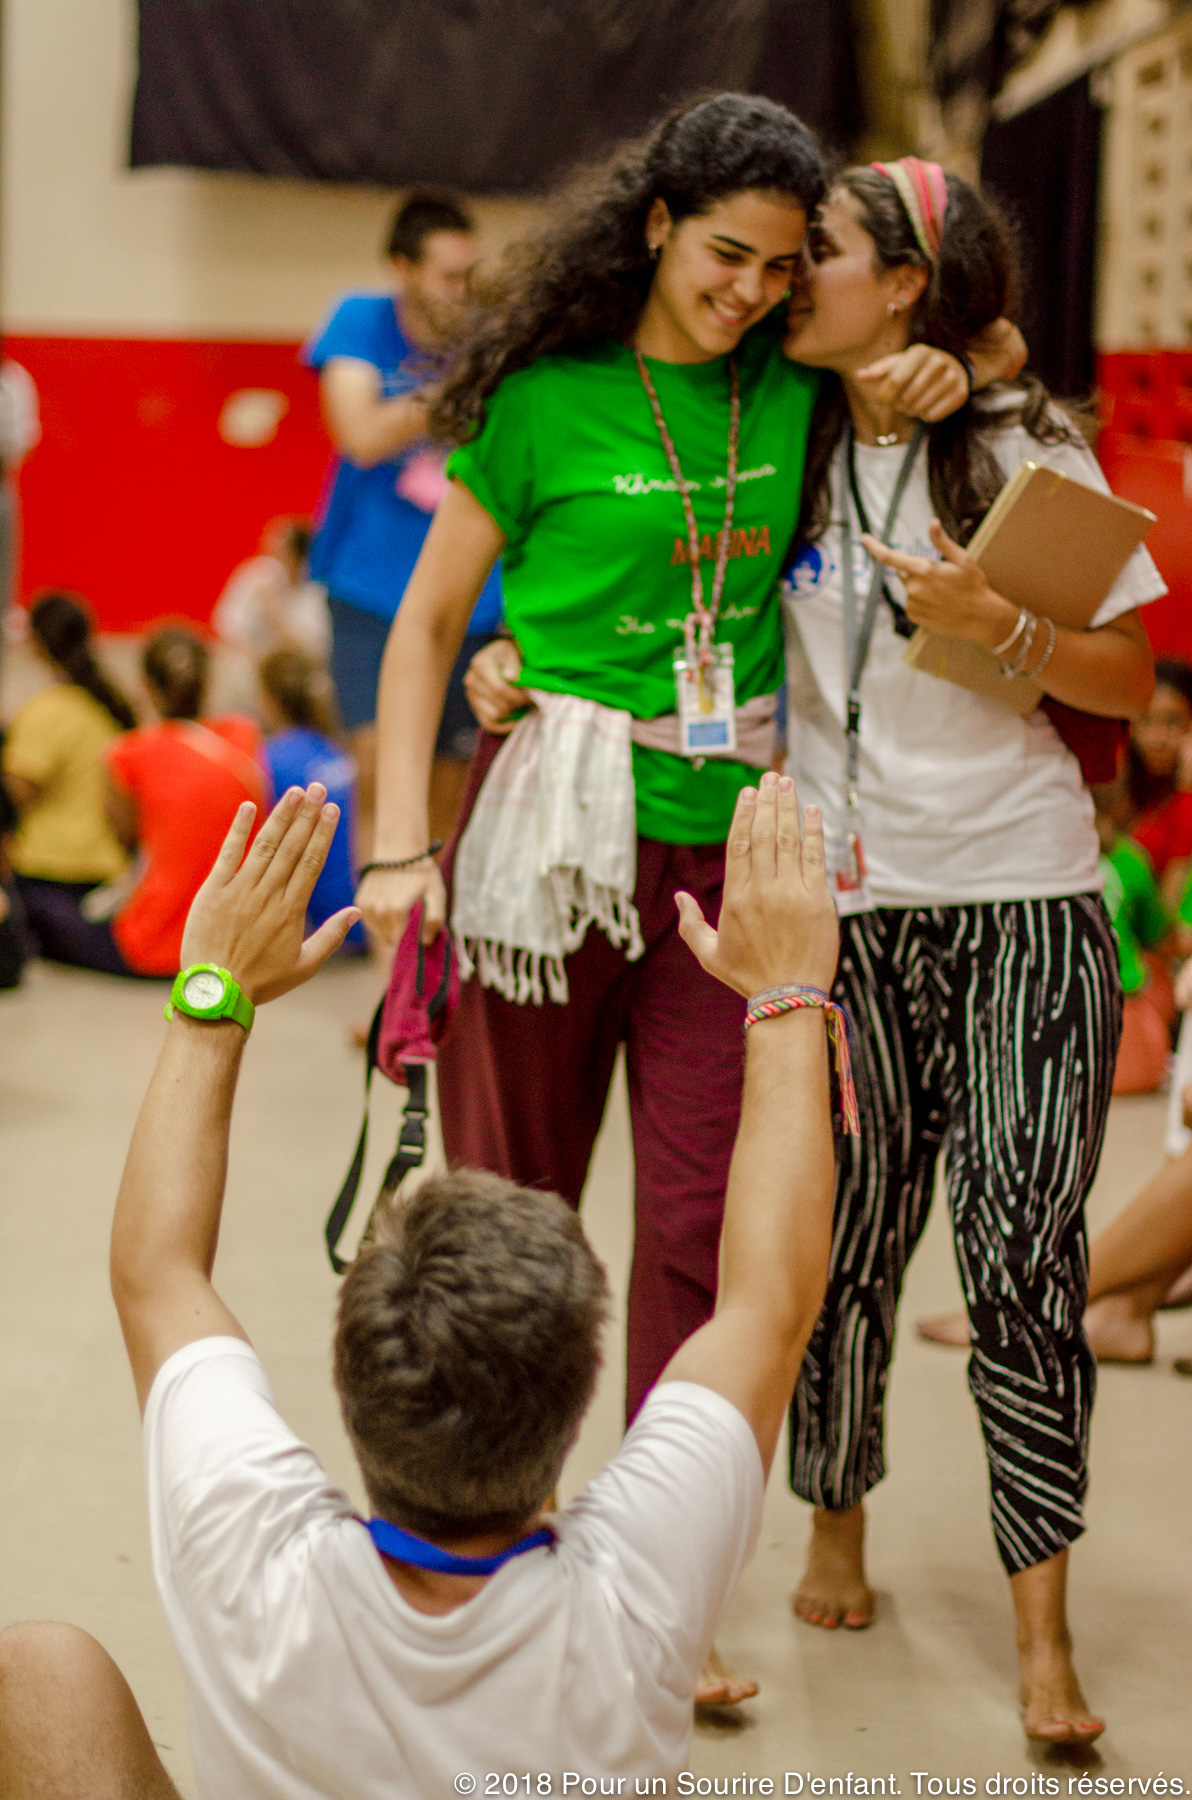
x: 655, y: 251
x: 893, y: 306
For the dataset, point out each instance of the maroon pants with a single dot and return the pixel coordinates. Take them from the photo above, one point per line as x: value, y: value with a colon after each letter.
x: 523, y: 1089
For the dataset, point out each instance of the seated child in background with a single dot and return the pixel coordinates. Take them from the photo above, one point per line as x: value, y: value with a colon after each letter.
x: 270, y: 603
x: 1141, y: 1264
x: 14, y: 945
x: 1142, y: 1261
x: 1143, y: 927
x: 63, y: 844
x: 1157, y: 777
x: 297, y: 710
x: 173, y: 789
x: 459, y: 1631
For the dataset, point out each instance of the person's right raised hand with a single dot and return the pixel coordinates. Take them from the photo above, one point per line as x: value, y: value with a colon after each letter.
x: 489, y: 686
x: 777, y: 922
x: 386, y: 897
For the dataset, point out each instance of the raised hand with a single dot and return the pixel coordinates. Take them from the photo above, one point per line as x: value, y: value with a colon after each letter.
x: 777, y: 923
x: 249, y: 915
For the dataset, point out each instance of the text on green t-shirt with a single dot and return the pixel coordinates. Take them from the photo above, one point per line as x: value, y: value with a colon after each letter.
x: 596, y: 573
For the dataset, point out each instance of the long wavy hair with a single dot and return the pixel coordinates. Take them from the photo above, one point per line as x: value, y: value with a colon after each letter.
x: 585, y: 277
x: 975, y: 281
x: 62, y: 626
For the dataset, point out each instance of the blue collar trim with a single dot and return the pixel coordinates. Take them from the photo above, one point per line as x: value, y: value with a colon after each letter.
x: 403, y: 1546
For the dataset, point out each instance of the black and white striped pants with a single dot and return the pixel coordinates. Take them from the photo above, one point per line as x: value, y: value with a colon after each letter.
x: 988, y: 1032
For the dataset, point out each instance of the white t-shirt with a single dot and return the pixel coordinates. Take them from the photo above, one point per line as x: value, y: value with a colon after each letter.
x: 20, y: 415
x: 260, y: 608
x: 961, y: 799
x: 307, y: 1674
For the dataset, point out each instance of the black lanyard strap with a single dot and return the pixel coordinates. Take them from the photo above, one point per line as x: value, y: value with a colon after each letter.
x: 902, y: 624
x: 858, y: 634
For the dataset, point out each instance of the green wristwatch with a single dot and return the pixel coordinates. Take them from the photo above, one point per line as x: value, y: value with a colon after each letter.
x: 205, y: 991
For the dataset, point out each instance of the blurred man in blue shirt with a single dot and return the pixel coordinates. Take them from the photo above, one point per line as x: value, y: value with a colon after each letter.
x: 376, y: 355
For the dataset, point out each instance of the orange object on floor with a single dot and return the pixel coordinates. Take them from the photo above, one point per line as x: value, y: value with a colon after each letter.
x: 1145, y: 1046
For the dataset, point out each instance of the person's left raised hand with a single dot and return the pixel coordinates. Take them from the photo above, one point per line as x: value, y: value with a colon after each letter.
x: 249, y: 915
x: 951, y: 595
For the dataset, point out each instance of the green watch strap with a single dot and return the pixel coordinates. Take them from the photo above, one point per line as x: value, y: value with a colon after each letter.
x: 232, y: 1003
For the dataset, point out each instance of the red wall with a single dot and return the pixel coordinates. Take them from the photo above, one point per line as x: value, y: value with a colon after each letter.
x: 133, y: 498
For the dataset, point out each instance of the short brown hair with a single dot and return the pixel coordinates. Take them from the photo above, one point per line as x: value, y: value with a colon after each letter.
x: 466, y: 1351
x: 419, y: 217
x: 299, y: 688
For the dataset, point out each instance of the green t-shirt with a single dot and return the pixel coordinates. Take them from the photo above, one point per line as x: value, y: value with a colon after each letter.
x: 596, y: 574
x: 1135, y: 907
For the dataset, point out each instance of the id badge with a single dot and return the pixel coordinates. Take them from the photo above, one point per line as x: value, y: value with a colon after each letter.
x: 706, y: 704
x: 845, y: 856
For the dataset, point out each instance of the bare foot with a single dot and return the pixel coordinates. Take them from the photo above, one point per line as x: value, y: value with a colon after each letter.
x: 1118, y: 1332
x: 946, y: 1328
x: 718, y: 1686
x: 833, y: 1590
x: 1053, y: 1707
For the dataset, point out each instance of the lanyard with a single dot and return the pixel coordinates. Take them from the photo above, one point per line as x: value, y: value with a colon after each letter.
x: 858, y: 635
x: 902, y: 624
x: 403, y: 1546
x: 702, y: 615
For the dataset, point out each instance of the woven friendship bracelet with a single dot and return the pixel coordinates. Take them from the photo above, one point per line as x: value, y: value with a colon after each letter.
x: 776, y: 1001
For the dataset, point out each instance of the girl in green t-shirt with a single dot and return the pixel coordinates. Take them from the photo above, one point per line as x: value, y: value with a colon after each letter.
x: 632, y: 363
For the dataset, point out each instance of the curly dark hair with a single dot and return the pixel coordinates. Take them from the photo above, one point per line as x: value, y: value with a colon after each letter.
x: 976, y: 280
x: 585, y: 278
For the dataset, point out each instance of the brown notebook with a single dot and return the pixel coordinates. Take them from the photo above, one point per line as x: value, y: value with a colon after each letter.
x: 1049, y: 543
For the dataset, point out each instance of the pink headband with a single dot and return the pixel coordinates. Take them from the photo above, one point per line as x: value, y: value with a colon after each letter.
x: 924, y: 193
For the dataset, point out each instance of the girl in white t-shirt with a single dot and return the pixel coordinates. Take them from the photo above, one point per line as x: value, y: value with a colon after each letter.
x: 977, y: 960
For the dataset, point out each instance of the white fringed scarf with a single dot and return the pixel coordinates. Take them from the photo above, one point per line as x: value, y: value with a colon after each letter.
x: 550, y: 848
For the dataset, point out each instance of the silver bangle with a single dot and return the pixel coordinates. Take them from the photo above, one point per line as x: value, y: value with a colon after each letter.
x: 1000, y: 649
x: 1043, y: 661
x: 1016, y: 667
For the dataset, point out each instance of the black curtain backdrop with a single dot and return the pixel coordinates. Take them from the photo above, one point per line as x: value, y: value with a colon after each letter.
x: 492, y: 96
x: 1045, y: 166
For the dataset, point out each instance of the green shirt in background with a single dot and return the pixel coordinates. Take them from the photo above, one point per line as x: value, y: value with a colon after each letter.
x: 596, y: 574
x: 1135, y: 907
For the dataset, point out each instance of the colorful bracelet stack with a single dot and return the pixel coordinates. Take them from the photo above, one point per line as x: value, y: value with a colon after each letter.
x: 779, y: 1000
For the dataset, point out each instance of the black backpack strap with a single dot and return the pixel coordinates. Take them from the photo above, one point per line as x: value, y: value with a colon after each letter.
x: 338, y: 1217
x: 411, y: 1141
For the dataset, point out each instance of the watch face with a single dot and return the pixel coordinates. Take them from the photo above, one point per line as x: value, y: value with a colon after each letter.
x: 204, y: 990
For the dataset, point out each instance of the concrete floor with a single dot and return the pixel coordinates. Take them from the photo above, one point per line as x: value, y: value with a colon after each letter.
x: 929, y: 1688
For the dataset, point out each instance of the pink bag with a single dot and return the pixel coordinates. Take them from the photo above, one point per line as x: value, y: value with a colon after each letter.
x: 409, y: 1023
